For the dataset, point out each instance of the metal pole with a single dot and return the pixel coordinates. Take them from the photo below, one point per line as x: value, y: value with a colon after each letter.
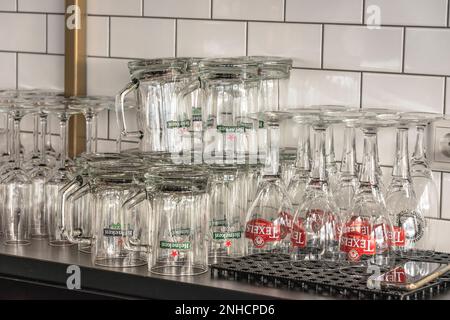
x: 75, y: 69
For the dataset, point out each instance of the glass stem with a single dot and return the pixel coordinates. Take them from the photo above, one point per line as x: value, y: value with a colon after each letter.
x: 304, y: 149
x: 16, y: 141
x: 48, y: 136
x: 89, y: 133
x: 63, y: 137
x: 319, y: 172
x: 271, y: 167
x: 401, y: 164
x: 419, y: 150
x: 43, y: 152
x: 330, y: 155
x: 348, y: 164
x: 369, y: 165
x: 36, y: 136
x: 8, y: 134
x: 94, y: 132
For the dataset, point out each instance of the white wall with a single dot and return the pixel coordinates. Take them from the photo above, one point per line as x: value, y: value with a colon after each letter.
x: 337, y: 58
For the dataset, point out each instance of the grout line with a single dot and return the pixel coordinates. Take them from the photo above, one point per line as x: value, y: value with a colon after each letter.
x: 374, y: 72
x: 246, y: 38
x: 322, y: 45
x: 176, y: 38
x: 108, y: 124
x: 284, y: 10
x: 440, y: 195
x: 142, y: 7
x: 211, y: 2
x: 17, y: 70
x: 109, y: 37
x: 403, y: 49
x: 31, y: 52
x: 445, y: 95
x: 363, y: 15
x: 361, y: 81
x: 46, y: 33
x: 448, y: 13
x: 17, y: 5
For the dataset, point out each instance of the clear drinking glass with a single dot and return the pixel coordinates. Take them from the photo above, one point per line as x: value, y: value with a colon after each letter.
x: 367, y: 231
x: 410, y: 226
x: 15, y: 185
x: 226, y: 220
x: 269, y: 219
x: 231, y: 87
x: 317, y: 221
x: 180, y: 218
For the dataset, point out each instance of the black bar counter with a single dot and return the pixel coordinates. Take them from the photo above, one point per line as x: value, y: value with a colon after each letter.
x: 39, y: 271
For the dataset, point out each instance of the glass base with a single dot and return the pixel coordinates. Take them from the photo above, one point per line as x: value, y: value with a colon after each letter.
x: 179, y: 270
x: 215, y: 258
x: 85, y: 249
x: 17, y: 242
x: 60, y: 243
x: 39, y: 236
x: 120, y: 262
x: 415, y: 254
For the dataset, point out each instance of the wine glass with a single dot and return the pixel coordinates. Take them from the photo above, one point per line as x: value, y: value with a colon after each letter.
x: 15, y: 184
x: 366, y: 233
x: 269, y: 218
x: 410, y: 229
x: 316, y: 224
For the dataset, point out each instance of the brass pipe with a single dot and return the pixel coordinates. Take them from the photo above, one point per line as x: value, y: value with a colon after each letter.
x: 75, y: 69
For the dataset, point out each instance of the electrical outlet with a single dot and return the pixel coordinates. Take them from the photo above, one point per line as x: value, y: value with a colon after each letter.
x: 439, y: 145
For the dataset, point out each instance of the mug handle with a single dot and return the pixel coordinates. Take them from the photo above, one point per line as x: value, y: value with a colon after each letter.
x: 136, y: 199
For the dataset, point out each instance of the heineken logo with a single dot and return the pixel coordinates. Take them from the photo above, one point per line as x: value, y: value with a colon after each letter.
x: 230, y: 129
x: 178, y: 124
x: 245, y: 125
x: 175, y: 245
x: 115, y: 230
x: 180, y: 232
x: 227, y: 235
x: 197, y: 114
x: 218, y: 223
x: 261, y: 124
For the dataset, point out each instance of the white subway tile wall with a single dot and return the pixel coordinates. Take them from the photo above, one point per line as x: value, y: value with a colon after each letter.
x: 400, y: 59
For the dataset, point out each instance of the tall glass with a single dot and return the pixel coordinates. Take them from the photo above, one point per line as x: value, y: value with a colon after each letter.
x: 269, y: 219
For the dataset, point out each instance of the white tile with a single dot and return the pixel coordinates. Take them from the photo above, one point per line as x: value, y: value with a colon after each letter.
x: 249, y: 9
x: 142, y: 37
x: 358, y: 48
x: 178, y: 8
x: 211, y: 38
x: 437, y: 180
x: 106, y: 76
x: 49, y: 6
x: 97, y: 36
x: 8, y: 5
x: 426, y: 51
x: 41, y: 71
x: 447, y: 103
x: 419, y: 93
x: 115, y: 7
x: 313, y: 87
x: 439, y: 237
x: 276, y: 39
x: 341, y: 11
x: 56, y: 34
x: 410, y: 12
x: 106, y: 146
x: 8, y: 70
x: 22, y: 32
x: 445, y: 198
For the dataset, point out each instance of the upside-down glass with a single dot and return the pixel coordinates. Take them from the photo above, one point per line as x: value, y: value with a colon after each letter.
x: 317, y: 221
x: 409, y: 223
x: 367, y: 230
x: 164, y: 116
x: 227, y: 214
x: 269, y: 219
x: 231, y: 93
x: 59, y: 177
x: 422, y: 177
x: 15, y: 185
x: 180, y: 217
